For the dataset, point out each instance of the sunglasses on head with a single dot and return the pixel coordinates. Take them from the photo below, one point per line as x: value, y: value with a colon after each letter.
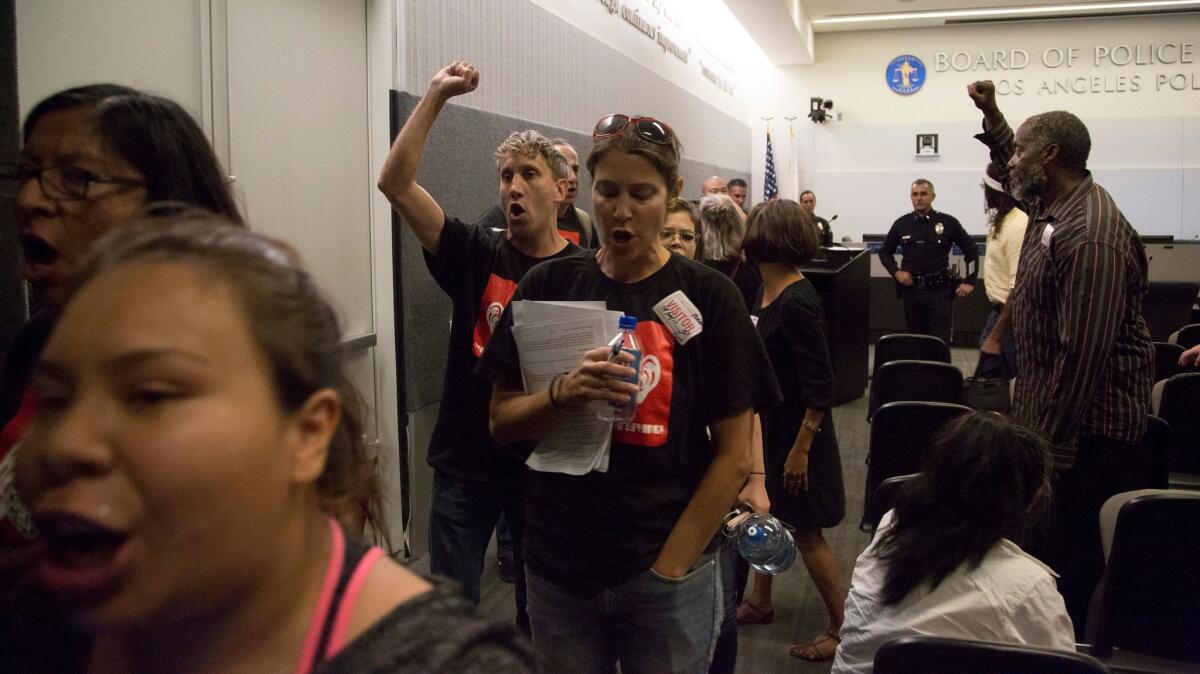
x: 647, y: 127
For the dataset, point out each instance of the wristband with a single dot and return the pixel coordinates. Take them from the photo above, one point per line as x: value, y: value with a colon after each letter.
x: 810, y: 426
x: 550, y: 391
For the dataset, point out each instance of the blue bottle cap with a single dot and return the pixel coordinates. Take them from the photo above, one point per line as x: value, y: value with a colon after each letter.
x: 627, y: 322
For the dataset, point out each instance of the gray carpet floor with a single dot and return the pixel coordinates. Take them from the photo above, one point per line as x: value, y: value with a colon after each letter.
x: 799, y: 613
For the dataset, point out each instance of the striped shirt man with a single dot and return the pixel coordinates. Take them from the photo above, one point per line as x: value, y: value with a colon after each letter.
x: 1085, y: 359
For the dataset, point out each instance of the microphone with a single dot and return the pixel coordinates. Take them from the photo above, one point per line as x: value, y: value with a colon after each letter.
x: 833, y: 218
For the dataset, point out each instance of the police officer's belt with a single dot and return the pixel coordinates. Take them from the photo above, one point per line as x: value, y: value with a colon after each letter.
x: 936, y: 280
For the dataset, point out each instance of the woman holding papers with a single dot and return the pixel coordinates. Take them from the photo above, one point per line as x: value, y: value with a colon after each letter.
x: 622, y: 561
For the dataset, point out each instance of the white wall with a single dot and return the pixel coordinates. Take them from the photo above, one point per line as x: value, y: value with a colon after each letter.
x: 281, y: 86
x: 1146, y: 144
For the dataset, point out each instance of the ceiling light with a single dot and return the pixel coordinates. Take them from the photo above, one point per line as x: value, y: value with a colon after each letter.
x: 1008, y: 11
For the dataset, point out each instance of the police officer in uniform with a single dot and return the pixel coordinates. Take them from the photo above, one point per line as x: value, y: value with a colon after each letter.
x: 923, y: 278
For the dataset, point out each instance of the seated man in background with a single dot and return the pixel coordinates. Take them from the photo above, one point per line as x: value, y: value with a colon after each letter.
x: 808, y: 201
x: 475, y: 479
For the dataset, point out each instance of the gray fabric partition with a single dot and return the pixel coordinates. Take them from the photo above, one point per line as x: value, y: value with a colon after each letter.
x: 460, y: 173
x: 12, y: 286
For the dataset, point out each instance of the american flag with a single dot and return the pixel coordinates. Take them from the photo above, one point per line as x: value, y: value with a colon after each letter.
x: 770, y: 189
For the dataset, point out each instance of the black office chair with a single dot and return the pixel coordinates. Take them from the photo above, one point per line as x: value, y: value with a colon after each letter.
x: 909, y: 347
x: 887, y: 492
x: 1148, y: 601
x: 1187, y: 336
x: 1157, y: 443
x: 1177, y: 401
x: 922, y: 380
x: 1166, y: 360
x: 900, y: 437
x: 1167, y: 306
x: 922, y: 655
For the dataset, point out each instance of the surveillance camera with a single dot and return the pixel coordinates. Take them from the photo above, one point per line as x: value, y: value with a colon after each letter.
x: 815, y: 103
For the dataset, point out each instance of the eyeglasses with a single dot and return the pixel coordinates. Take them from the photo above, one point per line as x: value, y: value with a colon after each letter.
x: 668, y: 235
x: 65, y: 183
x: 647, y: 127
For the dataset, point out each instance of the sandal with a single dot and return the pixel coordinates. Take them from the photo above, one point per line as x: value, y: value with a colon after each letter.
x: 815, y: 650
x: 749, y: 614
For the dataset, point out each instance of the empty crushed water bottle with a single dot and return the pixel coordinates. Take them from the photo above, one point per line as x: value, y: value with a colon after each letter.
x: 761, y: 539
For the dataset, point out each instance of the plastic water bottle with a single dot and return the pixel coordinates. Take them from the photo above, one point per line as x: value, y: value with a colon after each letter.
x: 761, y: 539
x: 629, y: 344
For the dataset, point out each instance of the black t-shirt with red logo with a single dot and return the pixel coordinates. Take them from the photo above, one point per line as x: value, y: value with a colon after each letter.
x: 479, y: 269
x: 595, y: 531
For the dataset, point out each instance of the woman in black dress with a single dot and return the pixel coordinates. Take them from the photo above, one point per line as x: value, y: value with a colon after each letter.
x: 804, y: 471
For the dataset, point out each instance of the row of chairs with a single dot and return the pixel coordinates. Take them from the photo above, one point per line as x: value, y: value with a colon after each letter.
x: 917, y: 368
x: 903, y: 431
x: 1143, y: 615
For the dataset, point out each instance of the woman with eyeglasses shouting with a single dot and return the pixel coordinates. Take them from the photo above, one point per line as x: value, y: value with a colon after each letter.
x: 92, y: 159
x: 621, y: 563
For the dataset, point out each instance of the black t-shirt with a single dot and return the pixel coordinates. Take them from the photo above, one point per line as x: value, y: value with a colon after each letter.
x: 479, y: 269
x: 595, y: 531
x: 744, y: 275
x: 570, y: 227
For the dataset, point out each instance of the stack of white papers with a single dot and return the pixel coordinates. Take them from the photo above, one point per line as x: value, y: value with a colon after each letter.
x: 552, y: 338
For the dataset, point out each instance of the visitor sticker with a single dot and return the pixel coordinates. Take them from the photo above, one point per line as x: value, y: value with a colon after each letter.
x: 680, y: 316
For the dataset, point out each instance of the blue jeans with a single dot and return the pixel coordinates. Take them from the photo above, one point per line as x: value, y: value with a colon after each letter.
x: 461, y: 520
x: 724, y: 659
x: 1003, y: 366
x: 648, y: 624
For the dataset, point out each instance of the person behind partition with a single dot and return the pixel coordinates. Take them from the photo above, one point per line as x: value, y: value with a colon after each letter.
x: 195, y: 426
x: 803, y: 464
x: 808, y: 201
x: 924, y: 282
x: 683, y: 230
x: 92, y: 158
x: 724, y: 228
x: 947, y: 562
x: 475, y: 479
x: 714, y: 186
x: 622, y: 564
x: 1006, y: 231
x: 739, y: 191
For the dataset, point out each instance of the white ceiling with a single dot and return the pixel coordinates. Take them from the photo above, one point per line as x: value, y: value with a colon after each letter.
x: 784, y: 28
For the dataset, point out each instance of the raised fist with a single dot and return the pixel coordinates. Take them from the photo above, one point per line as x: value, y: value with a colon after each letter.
x: 456, y: 79
x: 984, y: 95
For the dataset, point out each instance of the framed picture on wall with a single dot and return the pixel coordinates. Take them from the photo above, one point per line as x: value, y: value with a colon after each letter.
x: 927, y: 144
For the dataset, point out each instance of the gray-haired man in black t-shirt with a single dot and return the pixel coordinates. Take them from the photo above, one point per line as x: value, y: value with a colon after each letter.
x: 475, y: 480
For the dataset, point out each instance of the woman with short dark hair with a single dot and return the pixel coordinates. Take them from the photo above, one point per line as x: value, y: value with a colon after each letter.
x: 946, y: 561
x: 804, y: 469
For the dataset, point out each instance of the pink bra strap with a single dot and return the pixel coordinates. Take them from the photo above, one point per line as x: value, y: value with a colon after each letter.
x: 312, y: 638
x: 345, y: 609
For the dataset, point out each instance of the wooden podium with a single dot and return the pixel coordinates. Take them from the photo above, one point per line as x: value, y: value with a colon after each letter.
x: 842, y: 276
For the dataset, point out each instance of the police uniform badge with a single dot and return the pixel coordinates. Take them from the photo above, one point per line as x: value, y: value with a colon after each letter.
x: 938, y: 229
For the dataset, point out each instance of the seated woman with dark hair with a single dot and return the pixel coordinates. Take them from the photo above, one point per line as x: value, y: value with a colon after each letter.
x: 944, y: 563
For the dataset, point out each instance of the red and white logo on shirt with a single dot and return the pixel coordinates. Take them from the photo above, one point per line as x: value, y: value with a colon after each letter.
x: 649, y: 427
x: 496, y: 296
